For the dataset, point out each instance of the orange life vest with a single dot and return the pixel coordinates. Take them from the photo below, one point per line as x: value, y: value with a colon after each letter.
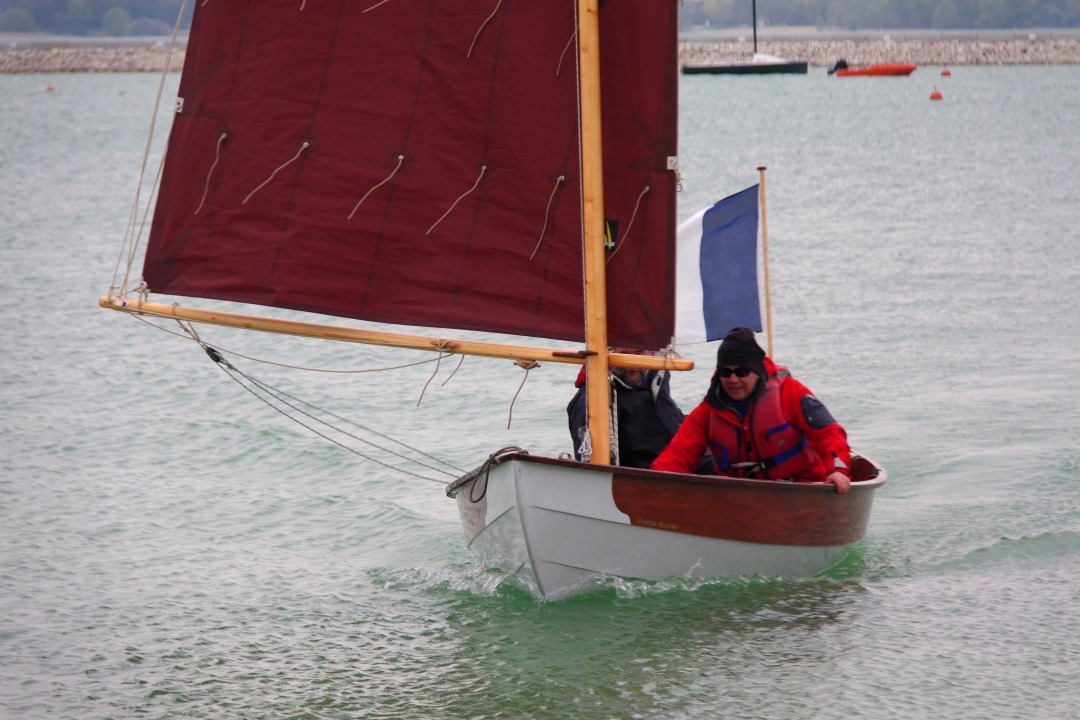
x: 763, y: 444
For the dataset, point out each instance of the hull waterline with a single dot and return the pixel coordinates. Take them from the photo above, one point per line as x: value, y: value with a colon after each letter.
x: 557, y: 528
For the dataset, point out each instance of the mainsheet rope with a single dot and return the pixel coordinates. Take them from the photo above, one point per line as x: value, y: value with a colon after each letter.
x: 280, y: 396
x: 294, y: 367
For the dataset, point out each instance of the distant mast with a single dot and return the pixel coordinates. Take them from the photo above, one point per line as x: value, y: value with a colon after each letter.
x: 754, y: 5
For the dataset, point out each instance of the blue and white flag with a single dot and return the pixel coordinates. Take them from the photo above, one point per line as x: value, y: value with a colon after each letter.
x: 716, y: 271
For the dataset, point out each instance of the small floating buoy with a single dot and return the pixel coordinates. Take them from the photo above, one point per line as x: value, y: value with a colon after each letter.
x: 936, y: 95
x: 50, y: 88
x: 946, y: 73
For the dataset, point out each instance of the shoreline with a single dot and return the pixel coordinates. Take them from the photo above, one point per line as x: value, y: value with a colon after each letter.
x: 45, y: 55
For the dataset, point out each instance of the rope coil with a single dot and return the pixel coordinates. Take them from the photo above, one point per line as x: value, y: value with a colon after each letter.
x: 472, y: 478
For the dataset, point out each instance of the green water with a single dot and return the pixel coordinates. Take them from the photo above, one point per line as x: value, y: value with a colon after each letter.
x: 170, y: 548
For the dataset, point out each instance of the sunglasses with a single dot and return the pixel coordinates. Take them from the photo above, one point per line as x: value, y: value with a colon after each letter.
x: 737, y: 372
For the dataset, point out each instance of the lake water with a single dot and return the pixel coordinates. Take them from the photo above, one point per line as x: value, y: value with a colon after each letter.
x: 170, y: 547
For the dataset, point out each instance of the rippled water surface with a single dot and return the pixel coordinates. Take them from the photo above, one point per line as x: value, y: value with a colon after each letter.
x: 169, y: 547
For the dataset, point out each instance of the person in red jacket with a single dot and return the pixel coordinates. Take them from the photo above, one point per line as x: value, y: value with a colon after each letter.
x: 759, y: 422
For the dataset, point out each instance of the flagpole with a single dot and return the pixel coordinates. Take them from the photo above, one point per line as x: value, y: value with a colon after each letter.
x: 765, y: 251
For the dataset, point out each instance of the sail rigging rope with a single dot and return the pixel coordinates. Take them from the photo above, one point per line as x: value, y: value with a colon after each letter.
x: 626, y: 233
x: 215, y: 354
x: 527, y: 365
x: 460, y: 362
x: 561, y: 179
x: 355, y: 371
x: 217, y: 157
x: 481, y: 29
x: 280, y: 396
x: 558, y: 68
x: 483, y: 169
x: 129, y: 246
x: 400, y: 159
x: 280, y: 167
x: 444, y: 348
x: 377, y: 5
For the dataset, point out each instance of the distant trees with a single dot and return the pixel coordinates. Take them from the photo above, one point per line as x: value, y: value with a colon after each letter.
x: 931, y: 14
x: 92, y: 17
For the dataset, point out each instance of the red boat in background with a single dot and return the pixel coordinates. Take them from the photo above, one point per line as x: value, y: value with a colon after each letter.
x: 842, y: 69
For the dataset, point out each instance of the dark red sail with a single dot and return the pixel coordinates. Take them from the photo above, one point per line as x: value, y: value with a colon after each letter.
x: 456, y: 124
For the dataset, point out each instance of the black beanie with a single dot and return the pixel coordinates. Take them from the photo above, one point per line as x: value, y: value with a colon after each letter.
x: 740, y: 348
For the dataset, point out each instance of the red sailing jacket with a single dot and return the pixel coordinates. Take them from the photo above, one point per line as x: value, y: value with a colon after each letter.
x: 776, y: 430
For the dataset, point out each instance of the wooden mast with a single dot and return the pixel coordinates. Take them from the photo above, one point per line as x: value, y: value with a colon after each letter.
x: 753, y: 21
x: 597, y: 387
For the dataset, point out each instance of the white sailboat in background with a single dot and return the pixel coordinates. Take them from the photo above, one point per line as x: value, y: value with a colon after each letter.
x: 758, y: 64
x: 453, y: 164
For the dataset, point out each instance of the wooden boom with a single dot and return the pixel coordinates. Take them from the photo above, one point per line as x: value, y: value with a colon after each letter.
x: 389, y: 339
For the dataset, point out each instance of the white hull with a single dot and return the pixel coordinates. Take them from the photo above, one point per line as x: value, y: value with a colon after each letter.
x: 555, y: 529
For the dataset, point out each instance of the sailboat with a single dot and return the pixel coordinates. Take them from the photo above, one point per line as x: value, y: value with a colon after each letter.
x: 453, y: 164
x: 759, y: 63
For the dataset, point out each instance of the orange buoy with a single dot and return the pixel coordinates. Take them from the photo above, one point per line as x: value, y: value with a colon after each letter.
x: 946, y: 73
x: 50, y: 88
x: 936, y: 95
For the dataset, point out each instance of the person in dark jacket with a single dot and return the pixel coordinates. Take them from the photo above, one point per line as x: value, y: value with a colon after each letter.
x: 648, y: 416
x: 760, y: 422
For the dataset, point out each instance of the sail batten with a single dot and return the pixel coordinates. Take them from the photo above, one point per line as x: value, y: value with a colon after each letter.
x: 374, y: 219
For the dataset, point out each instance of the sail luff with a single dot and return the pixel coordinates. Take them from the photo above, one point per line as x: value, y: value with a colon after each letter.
x: 597, y: 387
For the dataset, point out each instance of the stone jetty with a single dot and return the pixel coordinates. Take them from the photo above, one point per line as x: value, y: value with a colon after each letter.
x: 88, y: 59
x: 33, y: 58
x: 824, y: 53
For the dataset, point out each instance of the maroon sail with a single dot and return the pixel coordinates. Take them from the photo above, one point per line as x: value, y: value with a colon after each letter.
x: 417, y: 162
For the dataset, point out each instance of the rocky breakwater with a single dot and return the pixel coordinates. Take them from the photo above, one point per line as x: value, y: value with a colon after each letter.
x: 825, y: 53
x: 822, y: 53
x: 88, y: 59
